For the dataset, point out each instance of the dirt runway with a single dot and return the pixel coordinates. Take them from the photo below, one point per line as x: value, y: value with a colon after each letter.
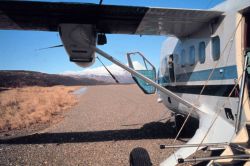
x: 107, y: 123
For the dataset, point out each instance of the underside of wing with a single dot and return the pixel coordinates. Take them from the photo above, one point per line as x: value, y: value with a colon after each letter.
x: 47, y: 16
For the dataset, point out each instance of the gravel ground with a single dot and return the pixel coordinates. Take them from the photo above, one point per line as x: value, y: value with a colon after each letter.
x: 102, y: 129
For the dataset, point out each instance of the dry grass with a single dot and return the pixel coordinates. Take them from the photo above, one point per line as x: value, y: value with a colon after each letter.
x: 22, y: 107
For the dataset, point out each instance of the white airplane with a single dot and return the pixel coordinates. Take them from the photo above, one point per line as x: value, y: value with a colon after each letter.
x: 203, y: 72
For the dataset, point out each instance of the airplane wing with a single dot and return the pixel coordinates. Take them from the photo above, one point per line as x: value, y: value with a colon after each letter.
x: 110, y: 19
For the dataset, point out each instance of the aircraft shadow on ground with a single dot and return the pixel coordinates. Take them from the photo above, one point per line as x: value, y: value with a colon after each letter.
x: 153, y: 130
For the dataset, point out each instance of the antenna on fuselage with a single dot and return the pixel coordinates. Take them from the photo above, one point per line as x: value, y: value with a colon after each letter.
x: 56, y: 46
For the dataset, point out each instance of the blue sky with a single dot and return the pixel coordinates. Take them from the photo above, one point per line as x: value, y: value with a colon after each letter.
x: 18, y: 49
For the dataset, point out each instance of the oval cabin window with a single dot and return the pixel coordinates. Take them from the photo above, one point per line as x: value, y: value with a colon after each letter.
x: 202, y: 52
x: 182, y: 58
x: 192, y: 55
x: 216, y: 48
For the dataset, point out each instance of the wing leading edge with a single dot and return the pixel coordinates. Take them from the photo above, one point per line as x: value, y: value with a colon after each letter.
x: 46, y: 16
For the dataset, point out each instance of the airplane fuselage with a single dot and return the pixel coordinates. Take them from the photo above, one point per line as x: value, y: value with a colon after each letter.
x: 205, y: 67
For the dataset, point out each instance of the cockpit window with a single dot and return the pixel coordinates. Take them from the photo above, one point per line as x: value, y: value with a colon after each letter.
x: 164, y: 66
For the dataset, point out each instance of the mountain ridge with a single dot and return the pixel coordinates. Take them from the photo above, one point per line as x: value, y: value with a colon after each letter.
x: 100, y: 73
x: 21, y: 78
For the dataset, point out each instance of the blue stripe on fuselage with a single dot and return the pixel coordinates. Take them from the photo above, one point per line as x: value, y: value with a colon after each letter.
x: 221, y: 73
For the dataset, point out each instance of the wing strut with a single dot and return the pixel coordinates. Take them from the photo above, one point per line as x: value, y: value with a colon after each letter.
x: 137, y: 74
x: 108, y: 70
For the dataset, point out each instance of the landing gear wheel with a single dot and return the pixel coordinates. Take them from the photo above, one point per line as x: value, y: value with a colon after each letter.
x: 139, y: 157
x: 190, y: 127
x: 179, y: 120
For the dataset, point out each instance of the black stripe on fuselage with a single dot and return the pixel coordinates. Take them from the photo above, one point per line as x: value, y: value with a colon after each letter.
x: 210, y: 90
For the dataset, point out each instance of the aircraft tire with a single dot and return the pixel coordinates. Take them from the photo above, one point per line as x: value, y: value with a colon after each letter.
x: 179, y: 120
x: 139, y: 157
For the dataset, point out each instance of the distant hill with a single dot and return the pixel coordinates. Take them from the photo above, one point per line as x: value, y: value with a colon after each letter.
x: 19, y: 78
x: 101, y: 74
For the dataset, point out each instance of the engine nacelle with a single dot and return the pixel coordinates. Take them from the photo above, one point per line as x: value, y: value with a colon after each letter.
x: 76, y: 39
